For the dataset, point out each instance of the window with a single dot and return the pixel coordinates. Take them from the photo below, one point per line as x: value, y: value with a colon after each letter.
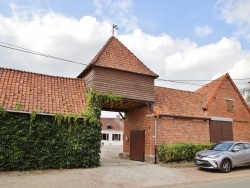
x: 109, y: 126
x: 116, y: 137
x: 247, y: 146
x: 105, y: 136
x: 238, y: 147
x: 230, y: 106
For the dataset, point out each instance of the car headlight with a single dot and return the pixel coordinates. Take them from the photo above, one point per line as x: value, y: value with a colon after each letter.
x: 213, y: 156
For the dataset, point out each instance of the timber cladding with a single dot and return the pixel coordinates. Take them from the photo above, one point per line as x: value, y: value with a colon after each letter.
x: 129, y: 85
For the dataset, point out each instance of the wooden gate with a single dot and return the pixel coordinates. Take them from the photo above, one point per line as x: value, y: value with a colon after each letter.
x: 137, y: 145
x: 221, y: 131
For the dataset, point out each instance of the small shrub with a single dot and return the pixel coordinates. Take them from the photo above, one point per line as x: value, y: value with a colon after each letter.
x: 180, y: 152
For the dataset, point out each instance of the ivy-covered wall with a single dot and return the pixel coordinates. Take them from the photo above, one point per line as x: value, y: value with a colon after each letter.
x: 33, y: 141
x: 46, y: 142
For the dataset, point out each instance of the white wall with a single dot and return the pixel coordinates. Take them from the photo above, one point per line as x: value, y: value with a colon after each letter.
x: 111, y: 142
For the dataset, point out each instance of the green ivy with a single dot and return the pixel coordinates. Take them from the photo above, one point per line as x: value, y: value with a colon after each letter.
x: 2, y: 111
x: 19, y: 107
x: 95, y: 101
x: 35, y: 141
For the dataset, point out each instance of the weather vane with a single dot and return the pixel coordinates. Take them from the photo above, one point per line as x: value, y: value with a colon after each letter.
x: 114, y: 28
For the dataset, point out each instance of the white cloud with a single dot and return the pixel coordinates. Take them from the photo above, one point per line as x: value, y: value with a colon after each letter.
x: 54, y: 34
x: 118, y: 12
x: 209, y: 61
x: 236, y: 12
x: 182, y: 59
x: 80, y: 40
x: 152, y: 50
x: 203, y: 31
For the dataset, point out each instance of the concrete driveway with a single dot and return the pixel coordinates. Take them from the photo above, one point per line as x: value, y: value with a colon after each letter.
x: 116, y: 172
x: 110, y: 157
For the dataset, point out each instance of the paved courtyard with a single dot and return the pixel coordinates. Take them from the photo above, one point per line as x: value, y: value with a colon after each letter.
x: 116, y: 172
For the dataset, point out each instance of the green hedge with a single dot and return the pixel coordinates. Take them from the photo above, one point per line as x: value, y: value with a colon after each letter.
x: 180, y: 152
x: 42, y: 142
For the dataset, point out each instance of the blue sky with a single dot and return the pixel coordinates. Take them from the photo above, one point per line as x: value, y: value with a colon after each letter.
x: 177, y: 18
x: 177, y: 39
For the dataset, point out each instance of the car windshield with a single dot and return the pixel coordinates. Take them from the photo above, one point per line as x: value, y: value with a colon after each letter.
x: 224, y: 146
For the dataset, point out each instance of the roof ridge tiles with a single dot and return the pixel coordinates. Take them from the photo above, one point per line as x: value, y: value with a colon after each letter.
x: 35, y: 73
x: 213, y: 87
x: 193, y: 92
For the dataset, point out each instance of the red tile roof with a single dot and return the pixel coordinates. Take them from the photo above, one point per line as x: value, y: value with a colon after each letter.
x: 43, y: 93
x: 174, y: 102
x: 115, y: 123
x: 211, y: 89
x: 115, y: 55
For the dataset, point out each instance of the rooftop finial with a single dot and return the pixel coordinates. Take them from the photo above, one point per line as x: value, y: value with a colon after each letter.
x: 114, y: 27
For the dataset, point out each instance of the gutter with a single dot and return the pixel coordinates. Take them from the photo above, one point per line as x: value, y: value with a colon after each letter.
x: 181, y: 117
x: 25, y: 112
x: 38, y: 113
x: 155, y: 162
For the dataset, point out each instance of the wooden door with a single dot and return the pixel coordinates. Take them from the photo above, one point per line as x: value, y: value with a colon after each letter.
x: 137, y: 145
x: 220, y: 131
x: 227, y: 130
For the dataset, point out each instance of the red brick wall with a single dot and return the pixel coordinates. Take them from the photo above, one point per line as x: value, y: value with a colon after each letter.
x: 240, y: 114
x: 140, y: 119
x: 241, y: 131
x: 174, y: 130
x: 218, y: 105
x: 168, y: 130
x: 182, y: 130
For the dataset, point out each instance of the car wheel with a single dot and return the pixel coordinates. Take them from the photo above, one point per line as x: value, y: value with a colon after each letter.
x: 226, y: 166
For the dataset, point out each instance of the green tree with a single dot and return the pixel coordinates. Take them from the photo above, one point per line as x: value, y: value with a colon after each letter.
x: 246, y: 93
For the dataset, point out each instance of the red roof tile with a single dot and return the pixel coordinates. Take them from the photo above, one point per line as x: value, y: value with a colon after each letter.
x: 116, y: 56
x: 178, y: 103
x: 115, y: 123
x: 211, y: 89
x: 43, y: 93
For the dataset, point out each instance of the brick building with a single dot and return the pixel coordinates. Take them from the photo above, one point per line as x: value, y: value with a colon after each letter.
x: 112, y: 131
x: 227, y: 109
x: 153, y: 115
x: 213, y: 113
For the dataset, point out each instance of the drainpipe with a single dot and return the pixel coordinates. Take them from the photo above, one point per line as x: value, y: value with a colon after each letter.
x: 155, y: 140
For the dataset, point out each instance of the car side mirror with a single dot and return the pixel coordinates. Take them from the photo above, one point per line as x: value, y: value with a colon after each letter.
x: 235, y: 149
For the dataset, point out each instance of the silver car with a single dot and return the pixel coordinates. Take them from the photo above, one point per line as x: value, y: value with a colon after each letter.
x: 224, y: 156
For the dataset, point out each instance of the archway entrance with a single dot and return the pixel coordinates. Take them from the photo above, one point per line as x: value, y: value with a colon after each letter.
x: 112, y: 141
x: 115, y: 69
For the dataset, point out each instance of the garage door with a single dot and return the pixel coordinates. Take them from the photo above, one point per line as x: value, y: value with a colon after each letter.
x: 221, y: 131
